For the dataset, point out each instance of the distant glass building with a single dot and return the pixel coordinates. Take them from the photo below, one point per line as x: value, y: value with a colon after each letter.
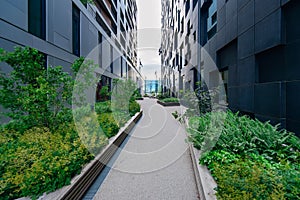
x: 151, y: 86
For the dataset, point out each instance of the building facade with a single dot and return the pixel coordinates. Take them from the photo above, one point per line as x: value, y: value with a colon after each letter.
x: 65, y: 30
x: 179, y: 45
x: 255, y: 45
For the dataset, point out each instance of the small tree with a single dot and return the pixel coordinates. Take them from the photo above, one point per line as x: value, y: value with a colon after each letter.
x: 33, y: 95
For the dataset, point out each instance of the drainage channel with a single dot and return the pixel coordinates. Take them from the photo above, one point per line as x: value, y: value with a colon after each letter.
x: 97, y: 184
x: 88, y: 184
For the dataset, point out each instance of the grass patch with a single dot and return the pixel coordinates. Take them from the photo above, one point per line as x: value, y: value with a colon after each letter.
x: 170, y: 100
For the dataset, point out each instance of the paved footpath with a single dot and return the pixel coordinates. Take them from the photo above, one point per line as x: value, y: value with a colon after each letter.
x: 155, y: 163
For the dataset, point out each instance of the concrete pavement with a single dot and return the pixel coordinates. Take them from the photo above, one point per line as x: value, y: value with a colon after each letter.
x: 155, y: 164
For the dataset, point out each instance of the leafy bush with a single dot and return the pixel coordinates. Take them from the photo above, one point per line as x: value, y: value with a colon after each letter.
x: 162, y: 96
x: 134, y: 107
x: 104, y: 93
x: 39, y: 160
x: 40, y: 148
x: 103, y: 107
x: 108, y: 124
x: 170, y: 100
x: 32, y: 95
x: 250, y: 159
x: 247, y: 179
x: 136, y: 94
x: 242, y: 135
x: 252, y: 176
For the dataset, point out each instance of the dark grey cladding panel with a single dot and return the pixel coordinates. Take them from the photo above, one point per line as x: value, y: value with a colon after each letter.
x: 246, y: 71
x: 231, y: 9
x: 291, y: 21
x: 227, y: 56
x: 221, y: 38
x: 263, y: 8
x: 292, y: 61
x: 233, y: 98
x: 246, y: 98
x: 268, y: 32
x: 272, y: 120
x: 283, y: 2
x: 242, y: 3
x: 231, y: 29
x: 246, y: 17
x: 232, y: 76
x: 293, y: 126
x: 221, y: 17
x: 246, y: 44
x: 267, y: 99
x: 292, y: 100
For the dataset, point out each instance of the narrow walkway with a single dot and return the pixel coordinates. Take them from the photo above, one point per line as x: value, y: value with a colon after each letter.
x: 155, y: 163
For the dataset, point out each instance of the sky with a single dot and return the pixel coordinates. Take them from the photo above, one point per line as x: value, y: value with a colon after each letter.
x: 149, y: 24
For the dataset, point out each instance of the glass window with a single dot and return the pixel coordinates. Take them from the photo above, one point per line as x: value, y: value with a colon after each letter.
x: 100, y: 48
x: 76, y: 30
x: 187, y: 7
x: 224, y: 76
x: 37, y: 18
x: 212, y: 20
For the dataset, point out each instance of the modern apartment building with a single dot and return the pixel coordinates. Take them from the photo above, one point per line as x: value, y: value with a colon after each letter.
x: 255, y: 45
x: 179, y: 45
x: 63, y: 30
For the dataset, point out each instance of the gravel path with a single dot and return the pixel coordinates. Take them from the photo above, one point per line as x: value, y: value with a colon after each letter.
x: 155, y: 164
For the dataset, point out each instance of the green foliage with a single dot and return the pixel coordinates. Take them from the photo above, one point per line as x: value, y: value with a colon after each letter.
x: 122, y: 94
x: 247, y: 179
x: 199, y: 102
x: 103, y: 107
x: 162, y: 96
x: 108, y: 124
x: 89, y: 130
x: 104, y: 93
x: 118, y: 117
x: 136, y: 94
x: 175, y: 114
x: 84, y: 2
x: 134, y: 107
x: 32, y: 95
x: 250, y: 159
x: 40, y: 148
x: 39, y: 160
x: 170, y: 100
x: 242, y: 135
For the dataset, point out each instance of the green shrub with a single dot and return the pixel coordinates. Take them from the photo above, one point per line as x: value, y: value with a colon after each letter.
x: 39, y: 161
x: 136, y: 94
x: 104, y: 93
x: 103, y: 107
x: 89, y: 130
x: 250, y: 159
x: 134, y: 107
x: 162, y: 96
x: 242, y: 135
x: 29, y: 88
x: 170, y: 100
x: 108, y: 124
x: 246, y: 179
